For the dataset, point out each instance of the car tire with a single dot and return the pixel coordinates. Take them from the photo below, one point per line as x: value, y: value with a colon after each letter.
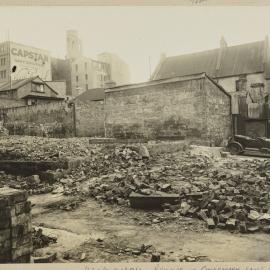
x: 235, y: 149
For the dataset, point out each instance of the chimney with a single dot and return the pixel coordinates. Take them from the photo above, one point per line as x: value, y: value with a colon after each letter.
x: 223, y: 46
x: 223, y: 43
x: 162, y: 57
x: 266, y: 50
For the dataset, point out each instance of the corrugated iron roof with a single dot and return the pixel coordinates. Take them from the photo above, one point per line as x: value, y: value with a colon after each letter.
x: 5, y: 86
x: 234, y: 60
x: 94, y: 94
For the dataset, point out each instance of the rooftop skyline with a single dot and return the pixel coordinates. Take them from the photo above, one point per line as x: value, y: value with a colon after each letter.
x: 138, y: 35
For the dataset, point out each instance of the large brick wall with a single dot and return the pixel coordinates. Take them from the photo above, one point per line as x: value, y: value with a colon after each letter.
x: 54, y: 119
x: 175, y: 109
x: 90, y: 118
x: 15, y: 226
x: 218, y: 111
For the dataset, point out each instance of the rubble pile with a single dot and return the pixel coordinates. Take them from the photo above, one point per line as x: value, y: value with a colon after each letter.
x: 40, y: 240
x: 231, y: 195
x: 39, y: 149
x: 32, y: 184
x: 234, y: 197
x: 127, y: 172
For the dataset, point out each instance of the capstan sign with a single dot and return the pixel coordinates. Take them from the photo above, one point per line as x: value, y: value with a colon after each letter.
x: 30, y: 62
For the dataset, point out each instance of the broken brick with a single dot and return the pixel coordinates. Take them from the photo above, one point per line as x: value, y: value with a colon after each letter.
x: 210, y: 223
x: 231, y: 224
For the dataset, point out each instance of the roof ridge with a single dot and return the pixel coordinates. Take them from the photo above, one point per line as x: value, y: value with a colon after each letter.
x: 215, y: 49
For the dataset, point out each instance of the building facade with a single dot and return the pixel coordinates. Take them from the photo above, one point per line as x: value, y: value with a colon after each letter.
x: 242, y: 70
x: 82, y: 73
x: 87, y: 73
x: 19, y: 61
x: 120, y: 73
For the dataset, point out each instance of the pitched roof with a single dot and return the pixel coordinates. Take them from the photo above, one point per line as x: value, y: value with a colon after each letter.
x: 5, y: 86
x: 234, y: 60
x: 94, y: 94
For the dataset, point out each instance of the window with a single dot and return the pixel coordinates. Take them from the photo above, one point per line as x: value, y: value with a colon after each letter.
x: 3, y: 61
x: 86, y: 87
x: 3, y: 74
x: 85, y: 65
x: 77, y: 78
x: 76, y: 67
x: 38, y: 87
x: 241, y: 84
x: 86, y: 77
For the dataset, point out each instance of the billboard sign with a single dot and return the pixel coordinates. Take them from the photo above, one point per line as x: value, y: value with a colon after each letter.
x: 30, y: 62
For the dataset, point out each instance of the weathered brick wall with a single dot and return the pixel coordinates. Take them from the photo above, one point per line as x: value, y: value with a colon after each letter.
x: 53, y: 119
x: 90, y: 118
x: 9, y: 103
x: 218, y: 111
x: 15, y: 226
x: 168, y: 110
x: 176, y: 110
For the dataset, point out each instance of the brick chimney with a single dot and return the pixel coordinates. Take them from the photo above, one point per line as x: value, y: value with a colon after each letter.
x: 223, y: 43
x: 161, y: 61
x: 266, y: 55
x: 223, y: 46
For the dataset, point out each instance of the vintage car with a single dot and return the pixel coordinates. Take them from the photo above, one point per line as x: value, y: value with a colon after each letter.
x: 238, y: 144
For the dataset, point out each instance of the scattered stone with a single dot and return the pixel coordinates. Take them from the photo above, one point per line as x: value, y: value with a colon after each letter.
x: 48, y: 258
x: 155, y: 257
x: 83, y: 257
x: 210, y: 223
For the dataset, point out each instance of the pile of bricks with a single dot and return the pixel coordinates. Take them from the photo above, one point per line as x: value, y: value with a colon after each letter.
x: 15, y: 226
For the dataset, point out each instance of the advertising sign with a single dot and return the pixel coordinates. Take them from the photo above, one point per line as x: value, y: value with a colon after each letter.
x: 30, y: 62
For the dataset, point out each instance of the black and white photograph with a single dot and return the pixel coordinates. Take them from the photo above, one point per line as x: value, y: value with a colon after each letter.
x: 135, y: 133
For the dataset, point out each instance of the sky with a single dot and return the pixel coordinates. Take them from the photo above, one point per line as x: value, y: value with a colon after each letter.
x: 137, y: 34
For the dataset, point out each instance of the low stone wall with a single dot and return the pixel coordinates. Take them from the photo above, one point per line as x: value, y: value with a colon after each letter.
x: 15, y: 226
x: 54, y: 119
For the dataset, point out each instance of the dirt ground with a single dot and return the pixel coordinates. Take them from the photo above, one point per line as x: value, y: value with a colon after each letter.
x: 80, y: 230
x: 108, y: 233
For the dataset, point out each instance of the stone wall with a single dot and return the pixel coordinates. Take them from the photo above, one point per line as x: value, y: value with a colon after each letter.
x: 15, y: 226
x: 171, y: 110
x: 218, y: 111
x: 90, y: 118
x: 55, y: 119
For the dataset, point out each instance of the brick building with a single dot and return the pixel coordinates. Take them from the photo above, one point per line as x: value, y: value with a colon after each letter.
x: 242, y: 70
x: 18, y: 61
x: 119, y: 70
x: 82, y: 73
x: 190, y: 107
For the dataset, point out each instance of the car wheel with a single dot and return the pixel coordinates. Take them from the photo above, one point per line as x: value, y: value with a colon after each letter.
x: 235, y: 149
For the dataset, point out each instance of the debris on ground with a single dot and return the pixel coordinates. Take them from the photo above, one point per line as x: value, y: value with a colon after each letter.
x: 47, y: 258
x: 40, y: 240
x: 225, y: 193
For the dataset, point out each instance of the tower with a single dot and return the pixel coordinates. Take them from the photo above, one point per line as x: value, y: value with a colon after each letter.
x: 74, y: 46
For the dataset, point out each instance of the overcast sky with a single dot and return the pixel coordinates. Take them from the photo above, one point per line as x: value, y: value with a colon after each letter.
x: 135, y: 33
